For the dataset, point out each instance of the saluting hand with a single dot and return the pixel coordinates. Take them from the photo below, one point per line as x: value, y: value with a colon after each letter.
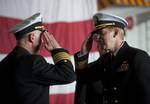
x: 50, y: 42
x: 86, y: 45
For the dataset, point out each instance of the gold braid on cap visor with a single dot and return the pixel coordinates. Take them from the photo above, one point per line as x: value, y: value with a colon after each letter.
x: 100, y: 26
x: 41, y: 28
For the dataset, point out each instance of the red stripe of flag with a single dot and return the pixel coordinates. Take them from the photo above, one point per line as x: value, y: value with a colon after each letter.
x: 58, y: 98
x: 70, y: 35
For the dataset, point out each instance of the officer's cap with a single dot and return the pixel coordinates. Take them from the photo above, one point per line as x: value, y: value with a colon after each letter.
x: 30, y: 24
x: 102, y: 20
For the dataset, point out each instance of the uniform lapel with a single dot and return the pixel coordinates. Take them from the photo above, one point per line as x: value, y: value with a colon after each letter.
x: 120, y: 57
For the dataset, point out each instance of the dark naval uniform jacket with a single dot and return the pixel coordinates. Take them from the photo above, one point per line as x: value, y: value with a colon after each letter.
x: 125, y: 77
x: 25, y: 78
x: 88, y: 93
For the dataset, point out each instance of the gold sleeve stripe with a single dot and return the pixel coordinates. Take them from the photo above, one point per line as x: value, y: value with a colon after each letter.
x: 61, y: 56
x: 81, y: 64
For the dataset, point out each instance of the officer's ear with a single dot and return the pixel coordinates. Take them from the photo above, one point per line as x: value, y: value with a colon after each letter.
x: 31, y: 37
x: 116, y: 31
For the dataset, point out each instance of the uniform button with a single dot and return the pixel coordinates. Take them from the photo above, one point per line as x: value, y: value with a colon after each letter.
x: 105, y: 101
x: 104, y: 69
x: 115, y: 88
x: 116, y: 101
x: 105, y: 89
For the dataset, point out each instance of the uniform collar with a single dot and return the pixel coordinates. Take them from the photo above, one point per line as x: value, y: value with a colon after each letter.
x: 119, y: 47
x: 121, y: 55
x: 20, y: 51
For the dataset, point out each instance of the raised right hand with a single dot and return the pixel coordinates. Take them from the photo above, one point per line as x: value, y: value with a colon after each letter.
x: 50, y: 42
x: 86, y: 45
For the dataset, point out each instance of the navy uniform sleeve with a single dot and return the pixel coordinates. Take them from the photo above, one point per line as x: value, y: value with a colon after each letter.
x: 142, y: 69
x: 87, y: 73
x: 60, y: 73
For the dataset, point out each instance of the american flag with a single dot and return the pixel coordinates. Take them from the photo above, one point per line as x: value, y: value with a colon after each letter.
x: 70, y: 21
